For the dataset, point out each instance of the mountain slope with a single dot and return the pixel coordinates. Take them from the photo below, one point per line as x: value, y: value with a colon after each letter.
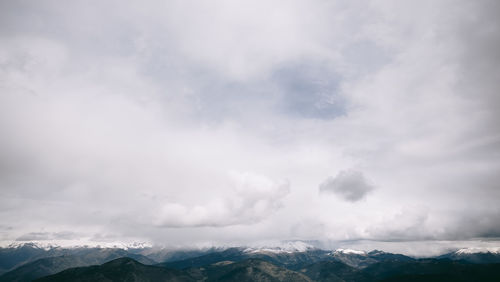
x: 122, y: 269
x: 15, y: 256
x: 475, y: 255
x: 360, y: 259
x: 126, y: 269
x: 50, y: 265
x: 12, y: 257
x: 333, y: 271
x: 433, y: 270
x: 250, y: 270
x: 42, y: 267
x: 231, y: 254
x: 292, y: 260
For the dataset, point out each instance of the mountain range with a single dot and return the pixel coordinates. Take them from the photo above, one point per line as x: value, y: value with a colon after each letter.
x: 29, y: 262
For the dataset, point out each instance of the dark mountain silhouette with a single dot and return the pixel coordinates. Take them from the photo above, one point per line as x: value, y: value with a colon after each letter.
x: 13, y: 257
x: 126, y: 269
x: 292, y: 260
x: 16, y: 256
x: 122, y: 269
x: 246, y: 270
x: 50, y: 265
x: 433, y: 270
x: 332, y: 271
x: 361, y: 259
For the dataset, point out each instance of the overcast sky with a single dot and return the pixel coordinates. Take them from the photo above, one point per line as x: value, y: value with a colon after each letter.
x: 231, y: 122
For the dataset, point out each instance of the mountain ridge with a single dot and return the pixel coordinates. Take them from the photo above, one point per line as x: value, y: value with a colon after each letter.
x: 31, y: 262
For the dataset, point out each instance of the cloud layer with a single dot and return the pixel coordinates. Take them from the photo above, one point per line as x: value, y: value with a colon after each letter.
x: 180, y: 122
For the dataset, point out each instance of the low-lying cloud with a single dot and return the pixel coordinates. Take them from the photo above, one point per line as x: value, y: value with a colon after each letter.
x: 47, y: 236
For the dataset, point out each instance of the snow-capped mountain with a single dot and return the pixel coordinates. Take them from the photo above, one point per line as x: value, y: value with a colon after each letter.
x: 21, y: 253
x: 475, y: 255
x: 361, y: 259
x: 70, y: 244
x: 348, y: 251
x: 285, y: 247
x: 493, y: 250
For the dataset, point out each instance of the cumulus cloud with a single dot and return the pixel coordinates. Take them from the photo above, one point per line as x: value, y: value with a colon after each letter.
x: 253, y: 198
x: 350, y: 185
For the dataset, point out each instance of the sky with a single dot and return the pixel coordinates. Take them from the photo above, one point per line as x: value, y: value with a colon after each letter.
x: 188, y: 123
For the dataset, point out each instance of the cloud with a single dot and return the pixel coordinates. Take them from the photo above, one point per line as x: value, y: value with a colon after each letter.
x: 47, y: 236
x: 310, y: 90
x: 252, y: 199
x: 124, y: 119
x: 350, y: 185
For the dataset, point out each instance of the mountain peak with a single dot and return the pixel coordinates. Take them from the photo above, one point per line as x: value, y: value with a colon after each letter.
x: 68, y: 244
x: 349, y: 251
x: 286, y: 247
x: 493, y: 250
x: 376, y: 252
x: 32, y: 245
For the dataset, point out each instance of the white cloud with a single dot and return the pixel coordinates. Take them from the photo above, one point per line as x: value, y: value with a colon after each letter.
x: 253, y: 198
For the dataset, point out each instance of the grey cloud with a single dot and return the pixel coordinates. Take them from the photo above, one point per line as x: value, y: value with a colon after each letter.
x: 476, y: 223
x: 479, y: 79
x: 424, y: 223
x: 309, y: 90
x: 45, y: 236
x: 116, y: 113
x: 350, y: 185
x: 41, y: 236
x: 306, y: 89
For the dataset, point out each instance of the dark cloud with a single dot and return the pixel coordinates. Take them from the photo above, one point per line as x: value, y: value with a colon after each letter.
x: 350, y: 185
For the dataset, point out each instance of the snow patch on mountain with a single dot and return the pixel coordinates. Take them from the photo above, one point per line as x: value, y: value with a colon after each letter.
x: 285, y: 247
x: 70, y: 244
x: 349, y: 251
x: 494, y: 250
